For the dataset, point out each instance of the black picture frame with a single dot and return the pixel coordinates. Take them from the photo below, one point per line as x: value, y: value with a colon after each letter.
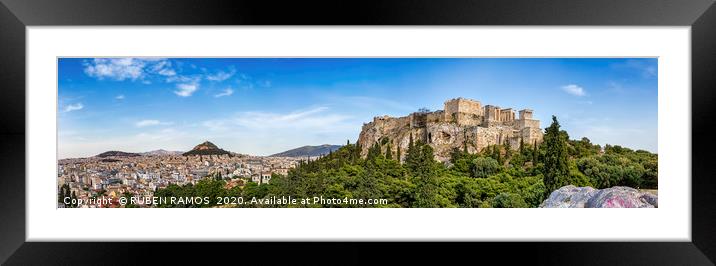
x: 15, y: 15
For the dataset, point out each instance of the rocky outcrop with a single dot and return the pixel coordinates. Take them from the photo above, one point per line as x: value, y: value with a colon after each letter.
x: 588, y: 197
x: 462, y: 124
x: 442, y: 136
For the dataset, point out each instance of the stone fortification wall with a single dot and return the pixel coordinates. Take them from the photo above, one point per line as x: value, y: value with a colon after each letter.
x: 462, y: 121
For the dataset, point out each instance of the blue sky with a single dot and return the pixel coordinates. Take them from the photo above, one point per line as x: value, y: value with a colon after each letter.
x: 262, y: 106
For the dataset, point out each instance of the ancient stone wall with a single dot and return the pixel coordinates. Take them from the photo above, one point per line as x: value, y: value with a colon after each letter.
x: 525, y: 114
x: 462, y: 105
x: 462, y: 121
x: 527, y: 123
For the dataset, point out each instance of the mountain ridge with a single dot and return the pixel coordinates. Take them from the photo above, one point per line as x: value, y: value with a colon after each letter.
x: 117, y: 154
x: 160, y: 152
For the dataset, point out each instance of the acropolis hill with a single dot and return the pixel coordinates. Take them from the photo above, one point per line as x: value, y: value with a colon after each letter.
x: 462, y: 121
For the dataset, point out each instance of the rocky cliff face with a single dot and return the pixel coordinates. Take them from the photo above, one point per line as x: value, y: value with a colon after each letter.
x: 443, y: 137
x: 463, y: 122
x: 587, y: 197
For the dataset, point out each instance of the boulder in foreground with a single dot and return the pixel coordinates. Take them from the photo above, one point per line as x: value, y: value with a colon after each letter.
x: 588, y: 197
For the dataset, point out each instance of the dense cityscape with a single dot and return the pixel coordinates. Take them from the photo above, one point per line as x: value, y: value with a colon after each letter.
x: 141, y: 175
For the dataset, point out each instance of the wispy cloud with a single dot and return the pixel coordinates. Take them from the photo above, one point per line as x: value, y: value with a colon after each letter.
x: 147, y: 70
x: 151, y: 122
x: 574, y: 90
x: 120, y: 69
x: 367, y: 102
x: 183, y: 79
x: 164, y: 68
x: 120, y: 97
x: 221, y: 75
x: 186, y: 89
x: 647, y: 67
x: 115, y: 68
x: 316, y: 119
x: 245, y: 81
x: 73, y: 107
x: 225, y: 92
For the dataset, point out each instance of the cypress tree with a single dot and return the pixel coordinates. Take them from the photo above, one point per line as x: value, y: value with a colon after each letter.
x: 423, y: 168
x: 508, y: 149
x: 410, y: 142
x: 464, y: 142
x: 496, y: 152
x: 535, y: 153
x: 398, y: 153
x: 373, y: 152
x: 499, y: 155
x: 556, y: 169
x: 388, y: 152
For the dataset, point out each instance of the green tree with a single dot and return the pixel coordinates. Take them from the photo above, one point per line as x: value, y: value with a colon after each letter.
x: 483, y: 167
x: 508, y: 200
x: 388, y: 152
x: 422, y: 167
x: 398, y: 153
x: 556, y: 167
x: 464, y: 142
x: 373, y: 151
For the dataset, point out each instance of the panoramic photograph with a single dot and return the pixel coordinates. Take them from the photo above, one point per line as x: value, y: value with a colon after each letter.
x: 151, y: 132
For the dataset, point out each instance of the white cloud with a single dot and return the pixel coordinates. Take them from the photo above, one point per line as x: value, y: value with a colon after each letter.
x: 120, y: 97
x: 186, y: 85
x: 186, y: 89
x: 574, y: 90
x: 151, y: 122
x: 74, y: 107
x: 115, y: 68
x: 184, y: 79
x: 164, y: 68
x: 221, y: 75
x: 225, y: 92
x: 129, y: 68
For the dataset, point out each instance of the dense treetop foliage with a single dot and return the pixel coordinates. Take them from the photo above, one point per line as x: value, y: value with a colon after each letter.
x: 495, y: 177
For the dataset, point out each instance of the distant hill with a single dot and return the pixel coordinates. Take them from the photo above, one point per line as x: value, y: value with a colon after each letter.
x: 117, y: 154
x: 306, y: 151
x: 206, y: 148
x: 161, y: 152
